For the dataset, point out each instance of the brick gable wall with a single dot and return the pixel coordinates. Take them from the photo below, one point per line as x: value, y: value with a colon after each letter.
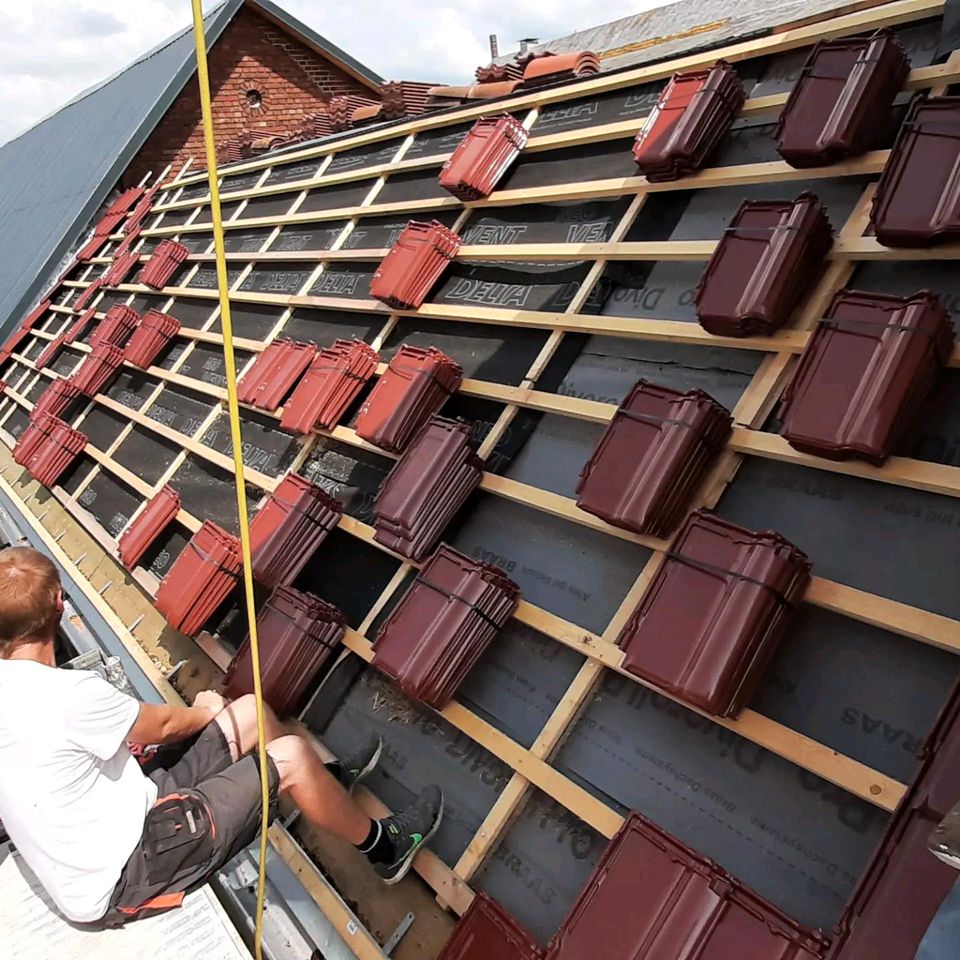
x: 251, y: 54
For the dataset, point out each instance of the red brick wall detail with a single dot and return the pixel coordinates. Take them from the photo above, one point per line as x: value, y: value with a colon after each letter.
x: 251, y: 54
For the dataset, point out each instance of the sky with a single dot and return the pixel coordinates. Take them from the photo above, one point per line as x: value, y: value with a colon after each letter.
x: 50, y: 50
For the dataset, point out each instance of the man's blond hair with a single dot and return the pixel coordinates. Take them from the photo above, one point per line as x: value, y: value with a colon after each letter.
x: 29, y: 597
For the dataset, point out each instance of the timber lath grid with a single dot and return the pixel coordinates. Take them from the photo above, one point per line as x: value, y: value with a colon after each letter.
x: 532, y: 766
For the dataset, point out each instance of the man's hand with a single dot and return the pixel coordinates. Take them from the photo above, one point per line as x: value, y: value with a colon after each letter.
x: 210, y: 700
x: 161, y: 724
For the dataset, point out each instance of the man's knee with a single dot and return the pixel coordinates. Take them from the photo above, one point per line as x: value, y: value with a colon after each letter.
x: 290, y: 754
x: 239, y: 724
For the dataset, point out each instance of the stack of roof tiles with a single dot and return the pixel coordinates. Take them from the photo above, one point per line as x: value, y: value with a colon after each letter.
x: 652, y: 458
x: 101, y: 234
x: 764, y: 264
x: 442, y: 625
x: 426, y: 488
x: 98, y: 368
x: 130, y: 237
x: 289, y: 528
x: 342, y: 108
x: 414, y: 264
x: 917, y: 202
x: 865, y: 373
x: 275, y: 371
x: 120, y: 269
x: 903, y: 886
x: 714, y: 613
x: 50, y: 352
x: 78, y: 328
x: 499, y: 72
x: 694, y: 111
x: 297, y: 635
x: 55, y: 446
x: 487, y: 932
x: 159, y: 511
x: 87, y: 295
x: 140, y: 213
x: 650, y: 897
x: 403, y: 98
x: 445, y: 96
x: 55, y: 399
x: 34, y: 435
x: 200, y: 579
x: 845, y: 85
x: 483, y: 157
x: 414, y: 386
x: 544, y: 68
x: 228, y: 151
x: 332, y: 382
x: 118, y: 323
x: 155, y: 331
x: 23, y: 330
x: 164, y: 262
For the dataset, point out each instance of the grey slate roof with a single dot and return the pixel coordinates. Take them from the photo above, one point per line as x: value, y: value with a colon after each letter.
x: 56, y: 175
x: 678, y: 28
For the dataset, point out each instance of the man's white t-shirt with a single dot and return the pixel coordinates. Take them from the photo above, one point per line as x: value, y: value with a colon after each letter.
x: 72, y: 797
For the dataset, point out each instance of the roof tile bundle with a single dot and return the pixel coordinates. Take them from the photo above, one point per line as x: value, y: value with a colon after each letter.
x: 288, y: 529
x: 341, y: 109
x: 403, y: 98
x: 55, y: 399
x: 332, y: 382
x: 833, y: 109
x: 445, y: 96
x: 694, y: 111
x: 763, y: 265
x: 139, y: 213
x: 152, y: 520
x: 98, y: 368
x: 78, y: 328
x: 130, y: 237
x: 714, y: 613
x: 59, y: 446
x: 298, y: 633
x: 154, y: 332
x: 552, y: 67
x: 228, y: 151
x: 87, y: 295
x: 650, y: 897
x: 499, y: 72
x: 275, y: 371
x: 414, y: 264
x: 101, y: 234
x: 917, y: 203
x: 35, y: 433
x: 126, y: 201
x: 50, y: 352
x: 487, y: 932
x: 118, y: 323
x: 163, y: 263
x: 442, y: 625
x: 200, y: 579
x: 426, y: 488
x: 413, y: 388
x: 483, y: 156
x: 652, y: 458
x: 35, y: 315
x: 865, y: 373
x: 121, y: 268
x: 875, y: 925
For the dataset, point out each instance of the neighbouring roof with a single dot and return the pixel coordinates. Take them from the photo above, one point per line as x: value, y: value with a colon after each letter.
x: 677, y: 28
x: 55, y: 176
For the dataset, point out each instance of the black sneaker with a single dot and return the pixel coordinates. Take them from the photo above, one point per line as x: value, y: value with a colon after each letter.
x: 360, y: 762
x: 945, y: 839
x: 409, y: 830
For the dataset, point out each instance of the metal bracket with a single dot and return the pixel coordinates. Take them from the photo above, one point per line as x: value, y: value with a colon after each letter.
x: 402, y: 927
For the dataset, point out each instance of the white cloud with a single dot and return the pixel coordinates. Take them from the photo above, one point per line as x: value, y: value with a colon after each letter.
x: 51, y: 50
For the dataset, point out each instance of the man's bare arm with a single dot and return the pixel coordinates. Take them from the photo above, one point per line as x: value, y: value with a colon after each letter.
x: 164, y: 723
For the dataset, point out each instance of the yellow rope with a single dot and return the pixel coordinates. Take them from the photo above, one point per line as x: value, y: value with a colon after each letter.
x: 233, y: 407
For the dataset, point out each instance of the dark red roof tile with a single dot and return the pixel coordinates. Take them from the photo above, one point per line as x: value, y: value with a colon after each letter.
x: 714, y: 613
x: 163, y: 264
x: 155, y: 331
x: 152, y: 520
x: 487, y: 932
x: 99, y: 367
x: 865, y: 373
x: 416, y: 261
x: 483, y: 157
x: 274, y: 373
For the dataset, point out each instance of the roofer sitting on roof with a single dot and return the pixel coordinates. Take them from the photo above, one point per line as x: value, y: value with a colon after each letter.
x: 111, y: 841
